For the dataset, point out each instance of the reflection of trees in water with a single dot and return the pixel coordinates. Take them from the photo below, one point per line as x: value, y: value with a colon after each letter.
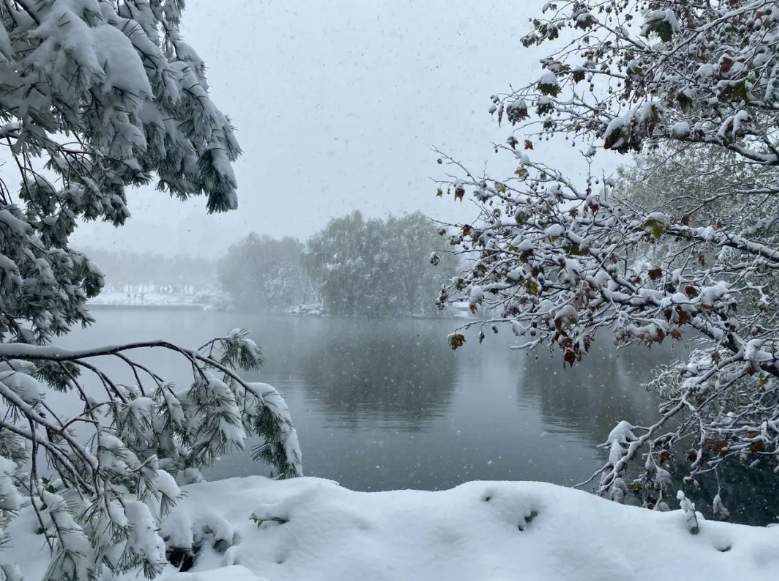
x: 749, y: 494
x: 606, y: 387
x: 397, y: 371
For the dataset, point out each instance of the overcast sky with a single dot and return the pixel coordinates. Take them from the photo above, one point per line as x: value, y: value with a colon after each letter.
x: 337, y: 104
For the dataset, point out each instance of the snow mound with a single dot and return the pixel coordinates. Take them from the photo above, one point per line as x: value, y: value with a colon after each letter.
x: 232, y: 573
x: 313, y: 529
x: 256, y: 529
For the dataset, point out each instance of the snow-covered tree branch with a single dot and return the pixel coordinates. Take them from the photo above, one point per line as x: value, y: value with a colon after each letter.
x: 97, y: 96
x: 559, y: 259
x: 141, y: 439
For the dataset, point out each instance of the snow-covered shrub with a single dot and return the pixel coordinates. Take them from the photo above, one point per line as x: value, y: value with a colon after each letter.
x: 559, y: 259
x: 98, y: 96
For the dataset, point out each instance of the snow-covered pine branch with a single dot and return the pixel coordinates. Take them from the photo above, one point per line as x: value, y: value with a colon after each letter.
x: 558, y: 259
x: 97, y: 96
x: 135, y: 441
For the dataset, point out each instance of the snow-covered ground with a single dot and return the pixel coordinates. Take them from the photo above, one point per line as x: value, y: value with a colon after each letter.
x: 148, y: 299
x: 312, y: 529
x: 312, y: 310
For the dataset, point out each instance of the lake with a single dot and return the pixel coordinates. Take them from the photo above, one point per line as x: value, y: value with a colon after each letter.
x: 386, y: 404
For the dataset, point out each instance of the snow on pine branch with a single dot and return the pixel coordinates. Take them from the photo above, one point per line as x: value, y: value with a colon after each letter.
x: 97, y: 96
x: 119, y: 460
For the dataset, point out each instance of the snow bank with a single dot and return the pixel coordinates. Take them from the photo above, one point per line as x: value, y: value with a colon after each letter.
x: 313, y: 529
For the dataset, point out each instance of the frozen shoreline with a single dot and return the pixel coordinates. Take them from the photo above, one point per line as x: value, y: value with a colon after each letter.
x: 150, y: 306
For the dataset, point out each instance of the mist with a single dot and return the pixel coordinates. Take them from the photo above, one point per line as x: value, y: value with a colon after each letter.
x: 337, y: 106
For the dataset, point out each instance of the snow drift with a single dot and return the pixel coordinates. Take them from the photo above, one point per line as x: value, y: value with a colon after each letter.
x: 251, y: 529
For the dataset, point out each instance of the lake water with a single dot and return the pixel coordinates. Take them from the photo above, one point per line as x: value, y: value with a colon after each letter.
x: 386, y: 404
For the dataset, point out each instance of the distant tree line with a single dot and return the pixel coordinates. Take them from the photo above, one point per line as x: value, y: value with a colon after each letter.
x: 125, y: 268
x: 263, y: 273
x: 354, y: 266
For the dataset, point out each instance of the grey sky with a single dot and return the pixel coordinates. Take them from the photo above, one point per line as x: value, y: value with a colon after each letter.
x: 337, y: 104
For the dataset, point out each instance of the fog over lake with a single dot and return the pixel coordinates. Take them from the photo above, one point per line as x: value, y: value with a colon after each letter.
x: 386, y: 404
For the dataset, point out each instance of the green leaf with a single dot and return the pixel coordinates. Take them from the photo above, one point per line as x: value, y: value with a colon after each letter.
x: 549, y: 89
x: 662, y: 28
x: 654, y: 227
x: 737, y: 92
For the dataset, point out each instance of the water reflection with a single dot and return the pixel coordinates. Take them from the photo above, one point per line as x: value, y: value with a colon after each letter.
x: 601, y: 390
x: 391, y: 373
x: 387, y: 405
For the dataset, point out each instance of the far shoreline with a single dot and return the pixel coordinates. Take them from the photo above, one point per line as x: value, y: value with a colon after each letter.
x: 149, y: 307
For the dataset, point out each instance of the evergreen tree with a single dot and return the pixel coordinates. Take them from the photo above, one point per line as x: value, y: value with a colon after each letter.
x: 97, y: 96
